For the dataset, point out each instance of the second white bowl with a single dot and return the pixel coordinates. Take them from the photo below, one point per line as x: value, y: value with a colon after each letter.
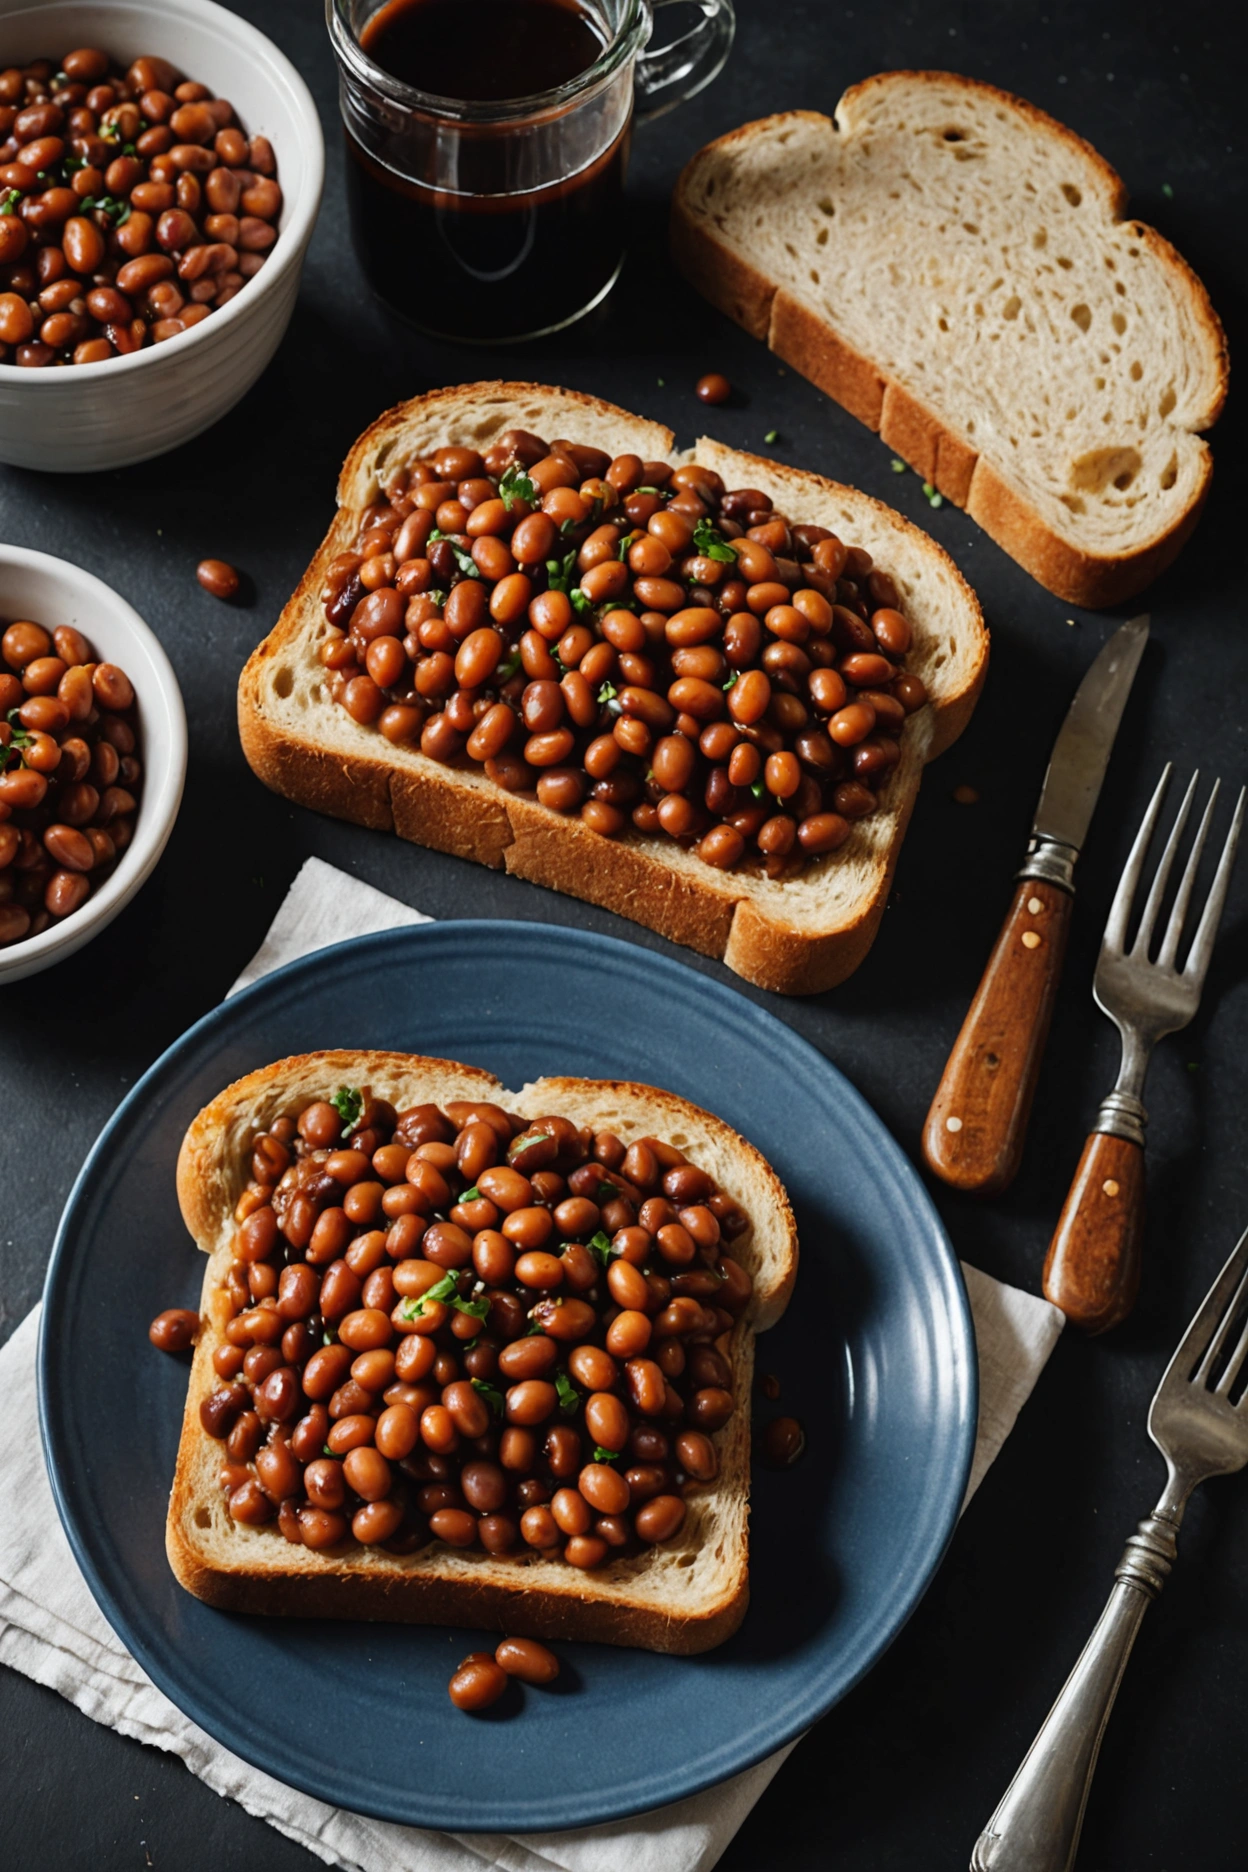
x: 93, y: 416
x: 51, y: 592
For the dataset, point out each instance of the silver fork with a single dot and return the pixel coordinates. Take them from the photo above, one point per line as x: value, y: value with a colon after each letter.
x: 1092, y: 1269
x: 1201, y: 1433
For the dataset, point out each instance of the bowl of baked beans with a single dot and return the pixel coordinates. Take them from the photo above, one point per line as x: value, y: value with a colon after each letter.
x: 92, y: 758
x: 160, y: 173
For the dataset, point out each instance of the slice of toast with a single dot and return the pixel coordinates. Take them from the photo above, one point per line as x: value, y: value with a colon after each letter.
x: 796, y: 936
x: 686, y: 1596
x: 954, y: 267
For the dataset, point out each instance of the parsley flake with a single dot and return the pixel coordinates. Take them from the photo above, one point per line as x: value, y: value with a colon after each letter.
x: 710, y: 543
x: 464, y: 560
x: 516, y: 485
x: 772, y: 435
x: 600, y: 1244
x: 349, y: 1104
x: 605, y: 1455
x: 569, y: 1396
x: 492, y: 1396
x: 469, y: 1195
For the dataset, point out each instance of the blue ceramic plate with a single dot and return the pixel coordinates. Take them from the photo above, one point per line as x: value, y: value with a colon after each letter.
x: 876, y: 1354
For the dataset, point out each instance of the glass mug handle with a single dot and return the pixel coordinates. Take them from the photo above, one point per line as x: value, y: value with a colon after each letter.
x: 678, y: 71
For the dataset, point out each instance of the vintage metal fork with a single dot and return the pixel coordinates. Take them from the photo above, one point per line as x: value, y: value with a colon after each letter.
x: 1092, y: 1269
x: 1199, y: 1422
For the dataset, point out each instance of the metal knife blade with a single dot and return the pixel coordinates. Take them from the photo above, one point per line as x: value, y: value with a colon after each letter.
x: 1085, y: 742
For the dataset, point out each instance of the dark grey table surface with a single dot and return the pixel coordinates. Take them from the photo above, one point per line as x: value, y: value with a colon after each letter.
x: 904, y: 1773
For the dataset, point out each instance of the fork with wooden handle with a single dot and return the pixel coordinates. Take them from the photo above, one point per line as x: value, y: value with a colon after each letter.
x: 1092, y: 1270
x: 1199, y: 1421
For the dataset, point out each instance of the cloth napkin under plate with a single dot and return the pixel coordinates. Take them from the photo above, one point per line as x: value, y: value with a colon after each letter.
x: 52, y: 1631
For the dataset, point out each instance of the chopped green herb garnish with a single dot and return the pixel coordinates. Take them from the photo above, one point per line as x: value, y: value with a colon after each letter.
x: 525, y: 1140
x: 1167, y: 191
x: 732, y: 679
x: 621, y: 551
x: 516, y: 485
x: 492, y: 1396
x: 649, y: 490
x: 600, y: 1243
x: 469, y: 1195
x: 897, y: 465
x: 605, y: 1455
x: 325, y: 1450
x: 607, y: 1192
x: 772, y: 435
x: 581, y: 601
x: 933, y: 498
x: 607, y: 694
x: 711, y: 544
x: 447, y: 1291
x: 9, y: 202
x: 757, y: 789
x: 662, y: 382
x: 569, y: 1396
x: 349, y: 1104
x: 559, y: 571
x: 509, y: 666
x: 329, y: 1336
x: 435, y: 597
x: 464, y: 560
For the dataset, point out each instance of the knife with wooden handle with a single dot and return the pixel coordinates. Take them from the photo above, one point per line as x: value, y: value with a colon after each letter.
x: 973, y: 1137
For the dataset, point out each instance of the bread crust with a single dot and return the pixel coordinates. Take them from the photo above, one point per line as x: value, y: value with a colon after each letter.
x: 332, y: 764
x: 795, y: 332
x: 632, y: 1602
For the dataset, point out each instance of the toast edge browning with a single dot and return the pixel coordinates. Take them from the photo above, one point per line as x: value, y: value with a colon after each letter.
x: 943, y: 457
x: 443, y: 810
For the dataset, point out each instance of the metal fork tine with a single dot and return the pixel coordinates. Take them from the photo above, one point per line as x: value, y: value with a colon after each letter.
x: 1207, y: 929
x: 1233, y: 1364
x: 1144, y: 935
x: 1209, y: 1315
x: 1115, y: 939
x: 1174, y: 929
x: 1216, y: 1344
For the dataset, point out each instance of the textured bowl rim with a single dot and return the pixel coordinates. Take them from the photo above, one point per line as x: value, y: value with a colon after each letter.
x: 162, y: 791
x: 288, y: 250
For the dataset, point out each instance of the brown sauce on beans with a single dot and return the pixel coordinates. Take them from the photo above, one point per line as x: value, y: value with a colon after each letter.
x: 132, y: 205
x: 631, y: 643
x: 531, y: 1362
x: 69, y: 774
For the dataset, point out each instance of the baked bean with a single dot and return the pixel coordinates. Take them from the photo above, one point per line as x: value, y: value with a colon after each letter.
x: 660, y: 1518
x: 174, y: 1330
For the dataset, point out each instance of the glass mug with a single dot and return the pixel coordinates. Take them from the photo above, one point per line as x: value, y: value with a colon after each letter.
x: 500, y: 220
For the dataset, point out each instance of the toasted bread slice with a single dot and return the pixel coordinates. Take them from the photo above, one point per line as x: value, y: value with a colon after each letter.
x: 798, y: 935
x: 684, y: 1597
x: 954, y: 267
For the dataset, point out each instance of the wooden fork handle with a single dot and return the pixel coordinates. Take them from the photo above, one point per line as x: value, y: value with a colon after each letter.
x: 973, y: 1138
x: 1092, y: 1269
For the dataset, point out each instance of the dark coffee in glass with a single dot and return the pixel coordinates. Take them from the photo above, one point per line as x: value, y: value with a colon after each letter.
x: 487, y: 144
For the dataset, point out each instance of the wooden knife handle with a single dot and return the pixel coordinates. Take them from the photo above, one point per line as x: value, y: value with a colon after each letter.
x: 1092, y: 1269
x: 974, y: 1133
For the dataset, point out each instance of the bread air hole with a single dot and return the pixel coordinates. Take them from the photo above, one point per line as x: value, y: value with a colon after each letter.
x: 1012, y: 307
x: 1168, y: 401
x: 1137, y: 371
x: 1098, y: 469
x: 203, y: 1517
x: 1170, y: 473
x: 283, y: 681
x: 1072, y: 194
x: 1119, y: 323
x: 1082, y: 316
x: 954, y: 136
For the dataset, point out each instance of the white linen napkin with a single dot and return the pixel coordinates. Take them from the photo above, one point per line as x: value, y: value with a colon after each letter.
x: 52, y: 1631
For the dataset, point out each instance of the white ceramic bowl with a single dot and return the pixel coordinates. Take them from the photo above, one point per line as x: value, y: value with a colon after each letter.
x: 52, y: 592
x: 108, y: 415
